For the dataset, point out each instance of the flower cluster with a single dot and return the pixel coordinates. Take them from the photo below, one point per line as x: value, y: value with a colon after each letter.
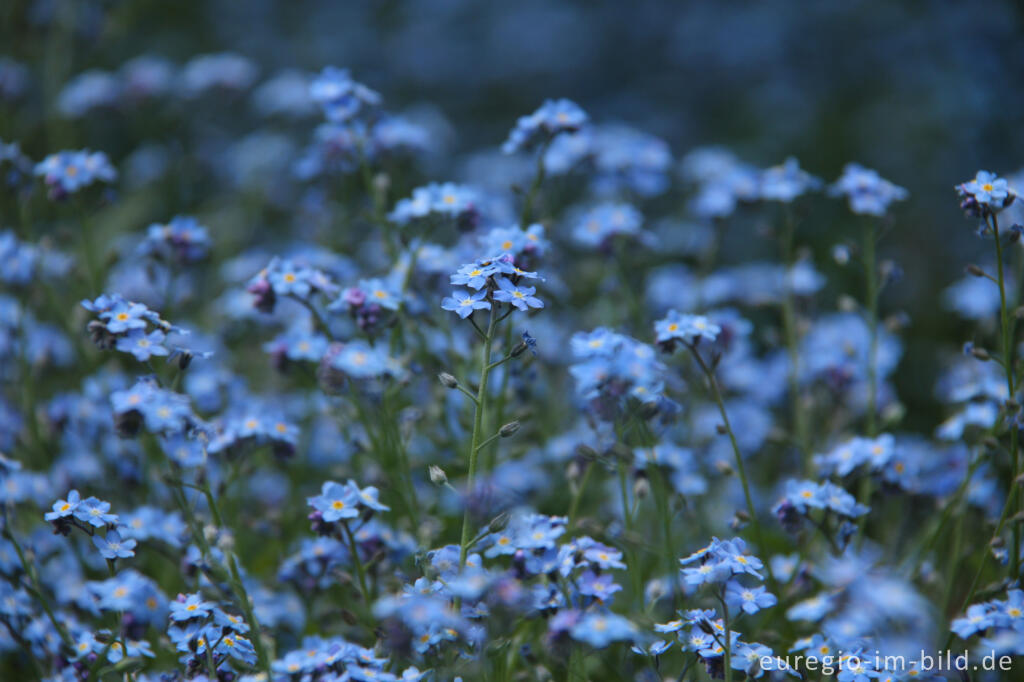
x: 125, y: 326
x: 552, y: 118
x: 611, y: 369
x: 68, y: 172
x: 724, y: 566
x: 867, y: 192
x: 181, y: 241
x: 985, y: 194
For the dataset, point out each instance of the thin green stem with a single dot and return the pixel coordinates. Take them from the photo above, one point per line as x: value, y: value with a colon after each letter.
x: 237, y: 585
x: 871, y: 303
x: 478, y: 422
x: 578, y: 495
x: 727, y: 645
x: 360, y: 570
x: 37, y: 587
x: 789, y: 322
x: 1007, y: 327
x: 716, y: 394
x: 538, y: 180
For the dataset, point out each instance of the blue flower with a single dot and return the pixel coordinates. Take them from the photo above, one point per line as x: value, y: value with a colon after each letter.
x: 95, y: 512
x: 867, y: 192
x: 750, y: 599
x: 600, y: 587
x: 685, y: 328
x: 786, y: 182
x: 368, y: 496
x: 448, y: 199
x: 599, y: 224
x: 67, y: 172
x: 553, y: 117
x: 142, y: 345
x: 979, y: 617
x: 336, y: 502
x: 64, y: 508
x: 341, y: 97
x: 599, y: 629
x: 521, y: 297
x: 113, y: 547
x: 988, y: 190
x: 360, y: 360
x: 125, y: 316
x: 464, y: 302
x: 475, y: 275
x: 188, y: 607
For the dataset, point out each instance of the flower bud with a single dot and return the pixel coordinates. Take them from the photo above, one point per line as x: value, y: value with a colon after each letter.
x: 498, y: 523
x: 437, y: 475
x: 447, y: 380
x: 973, y: 269
x: 641, y: 486
x: 508, y: 429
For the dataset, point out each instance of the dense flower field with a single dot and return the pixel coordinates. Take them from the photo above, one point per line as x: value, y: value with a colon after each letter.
x: 346, y: 418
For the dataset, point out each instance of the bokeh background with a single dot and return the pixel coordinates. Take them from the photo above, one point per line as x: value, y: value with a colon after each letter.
x: 924, y: 92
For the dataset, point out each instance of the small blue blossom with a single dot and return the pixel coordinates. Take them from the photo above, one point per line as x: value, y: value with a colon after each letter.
x: 749, y: 599
x: 521, y: 297
x: 552, y: 118
x: 112, y: 546
x: 599, y: 629
x: 336, y: 502
x: 987, y: 190
x: 95, y: 512
x: 464, y: 302
x: 142, y: 345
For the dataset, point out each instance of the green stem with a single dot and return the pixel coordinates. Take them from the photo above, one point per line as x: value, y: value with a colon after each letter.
x: 716, y: 393
x: 727, y: 645
x: 360, y: 570
x: 37, y: 587
x: 1007, y: 328
x: 478, y: 421
x: 789, y: 323
x: 538, y: 180
x: 241, y: 594
x: 575, y: 506
x: 492, y: 455
x: 871, y: 281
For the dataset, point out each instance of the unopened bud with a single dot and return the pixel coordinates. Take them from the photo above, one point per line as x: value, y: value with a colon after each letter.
x: 721, y: 429
x: 519, y: 349
x: 498, y: 523
x: 723, y: 467
x: 649, y: 410
x: 973, y: 269
x: 981, y: 354
x: 508, y: 429
x: 621, y: 452
x: 997, y: 542
x: 641, y: 486
x: 447, y: 380
x: 437, y: 475
x: 847, y: 304
x: 381, y: 183
x: 573, y: 472
x: 349, y: 617
x: 586, y: 453
x: 841, y: 254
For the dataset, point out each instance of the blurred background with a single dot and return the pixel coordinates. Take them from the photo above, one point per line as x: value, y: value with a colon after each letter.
x: 926, y: 93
